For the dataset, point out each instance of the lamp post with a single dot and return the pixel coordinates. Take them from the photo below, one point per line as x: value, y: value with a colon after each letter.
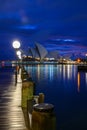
x: 16, y: 45
x: 19, y: 54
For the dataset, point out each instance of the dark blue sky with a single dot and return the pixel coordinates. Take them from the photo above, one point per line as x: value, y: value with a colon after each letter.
x: 56, y: 24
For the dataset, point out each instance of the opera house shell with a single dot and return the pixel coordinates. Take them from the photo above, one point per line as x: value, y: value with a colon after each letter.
x: 40, y: 52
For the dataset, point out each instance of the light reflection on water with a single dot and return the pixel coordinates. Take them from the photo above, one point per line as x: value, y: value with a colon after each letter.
x: 78, y: 82
x: 66, y: 88
x: 86, y: 77
x: 50, y: 72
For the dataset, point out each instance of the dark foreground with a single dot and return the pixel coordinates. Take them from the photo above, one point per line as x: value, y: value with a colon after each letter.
x: 11, y: 115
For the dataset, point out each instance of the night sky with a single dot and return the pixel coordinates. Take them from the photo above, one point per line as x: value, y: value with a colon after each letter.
x: 56, y: 24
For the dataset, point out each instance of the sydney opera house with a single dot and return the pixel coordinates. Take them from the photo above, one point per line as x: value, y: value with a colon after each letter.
x: 40, y: 53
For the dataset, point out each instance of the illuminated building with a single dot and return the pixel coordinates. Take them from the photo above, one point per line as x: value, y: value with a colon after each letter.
x: 39, y: 52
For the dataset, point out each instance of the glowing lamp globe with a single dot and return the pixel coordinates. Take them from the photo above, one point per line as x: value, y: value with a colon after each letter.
x: 18, y: 53
x: 16, y: 44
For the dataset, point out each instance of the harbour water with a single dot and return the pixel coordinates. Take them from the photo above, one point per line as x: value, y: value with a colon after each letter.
x: 66, y: 89
x: 63, y: 86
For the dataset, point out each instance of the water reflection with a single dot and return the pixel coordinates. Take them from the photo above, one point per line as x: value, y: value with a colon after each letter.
x: 51, y: 71
x: 67, y: 74
x: 78, y: 81
x: 66, y: 88
x: 38, y: 71
x: 86, y: 78
x: 81, y: 80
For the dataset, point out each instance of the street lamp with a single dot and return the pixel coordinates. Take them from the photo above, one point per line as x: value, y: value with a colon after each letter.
x: 16, y: 45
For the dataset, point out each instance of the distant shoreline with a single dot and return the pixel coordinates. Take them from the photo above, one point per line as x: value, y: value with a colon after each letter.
x: 15, y: 63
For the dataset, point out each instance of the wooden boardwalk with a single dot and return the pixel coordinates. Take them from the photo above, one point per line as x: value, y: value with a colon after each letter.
x: 11, y: 115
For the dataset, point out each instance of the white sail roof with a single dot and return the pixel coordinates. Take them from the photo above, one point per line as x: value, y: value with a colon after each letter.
x: 41, y: 50
x: 35, y: 53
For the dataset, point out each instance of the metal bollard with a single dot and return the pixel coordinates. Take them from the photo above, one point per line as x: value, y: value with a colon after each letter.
x: 43, y: 117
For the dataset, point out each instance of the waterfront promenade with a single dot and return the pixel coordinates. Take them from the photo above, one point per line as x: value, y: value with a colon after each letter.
x: 11, y: 115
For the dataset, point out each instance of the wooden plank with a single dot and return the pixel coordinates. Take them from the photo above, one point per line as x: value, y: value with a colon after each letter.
x: 11, y: 114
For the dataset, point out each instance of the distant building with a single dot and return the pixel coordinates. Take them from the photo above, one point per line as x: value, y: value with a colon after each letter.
x: 39, y: 52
